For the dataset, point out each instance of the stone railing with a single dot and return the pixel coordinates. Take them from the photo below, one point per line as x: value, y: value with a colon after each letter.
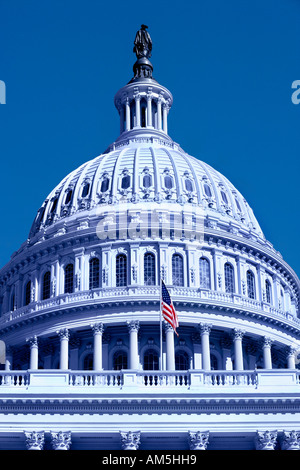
x: 151, y: 293
x: 59, y: 381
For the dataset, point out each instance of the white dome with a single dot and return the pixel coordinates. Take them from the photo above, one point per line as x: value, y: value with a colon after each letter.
x: 148, y: 169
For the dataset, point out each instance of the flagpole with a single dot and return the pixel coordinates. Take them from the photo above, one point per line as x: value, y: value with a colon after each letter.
x: 160, y: 327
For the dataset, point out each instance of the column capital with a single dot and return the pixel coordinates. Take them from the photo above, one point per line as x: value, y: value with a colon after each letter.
x: 267, y: 342
x: 130, y: 440
x: 97, y: 328
x: 205, y: 328
x: 61, y: 440
x: 168, y: 327
x: 33, y: 341
x: 238, y: 334
x: 265, y: 440
x: 133, y: 325
x: 34, y: 440
x: 290, y: 440
x: 63, y: 333
x: 198, y: 440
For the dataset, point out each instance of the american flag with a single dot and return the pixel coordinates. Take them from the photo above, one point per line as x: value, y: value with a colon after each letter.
x: 168, y: 310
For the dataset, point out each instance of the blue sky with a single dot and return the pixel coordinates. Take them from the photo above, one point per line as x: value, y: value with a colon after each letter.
x: 229, y: 65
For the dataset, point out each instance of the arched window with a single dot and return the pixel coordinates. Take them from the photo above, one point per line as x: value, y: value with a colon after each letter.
x: 147, y: 179
x: 188, y: 185
x: 46, y: 285
x: 168, y: 181
x: 229, y: 278
x: 207, y: 190
x: 151, y: 360
x: 68, y: 196
x: 204, y: 272
x: 182, y: 361
x: 125, y: 180
x: 104, y: 183
x: 268, y: 291
x: 88, y: 362
x: 224, y: 197
x: 94, y: 274
x: 85, y: 190
x: 250, y: 284
x: 69, y: 278
x: 213, y: 362
x: 12, y: 300
x: 177, y: 270
x: 54, y: 205
x: 28, y: 293
x: 121, y: 270
x: 120, y: 360
x: 149, y: 269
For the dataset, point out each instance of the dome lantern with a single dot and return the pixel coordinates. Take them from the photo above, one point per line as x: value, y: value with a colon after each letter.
x: 143, y: 104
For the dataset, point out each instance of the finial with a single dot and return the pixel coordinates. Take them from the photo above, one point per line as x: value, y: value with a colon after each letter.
x: 142, y: 48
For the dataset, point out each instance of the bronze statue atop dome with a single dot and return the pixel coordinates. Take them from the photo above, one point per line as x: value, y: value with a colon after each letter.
x: 143, y: 43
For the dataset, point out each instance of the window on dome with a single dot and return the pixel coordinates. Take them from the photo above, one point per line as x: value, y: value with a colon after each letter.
x: 104, y: 184
x: 121, y: 270
x: 149, y: 269
x: 250, y: 284
x: 120, y: 360
x: 85, y: 190
x: 12, y: 301
x: 151, y: 360
x: 268, y: 291
x: 207, y: 190
x: 28, y: 293
x: 204, y: 272
x: 188, y: 185
x: 168, y: 181
x: 147, y: 179
x: 54, y: 205
x: 229, y: 278
x: 125, y: 180
x: 238, y: 205
x: 177, y: 270
x: 68, y: 196
x: 224, y: 197
x: 182, y: 361
x: 69, y: 278
x: 46, y: 285
x: 94, y: 274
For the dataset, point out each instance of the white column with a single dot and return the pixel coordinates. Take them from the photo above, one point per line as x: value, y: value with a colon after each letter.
x: 291, y: 362
x: 238, y: 350
x: 34, y: 353
x: 133, y: 327
x: 159, y: 113
x: 138, y: 110
x: 149, y: 110
x: 127, y: 113
x: 64, y: 348
x: 205, y: 331
x: 98, y: 332
x: 165, y: 118
x: 267, y: 353
x: 170, y: 359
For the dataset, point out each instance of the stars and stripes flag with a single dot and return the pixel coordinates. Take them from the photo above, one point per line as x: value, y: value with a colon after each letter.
x: 167, y: 308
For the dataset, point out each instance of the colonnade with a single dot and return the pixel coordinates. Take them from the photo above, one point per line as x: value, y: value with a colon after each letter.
x: 202, y: 349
